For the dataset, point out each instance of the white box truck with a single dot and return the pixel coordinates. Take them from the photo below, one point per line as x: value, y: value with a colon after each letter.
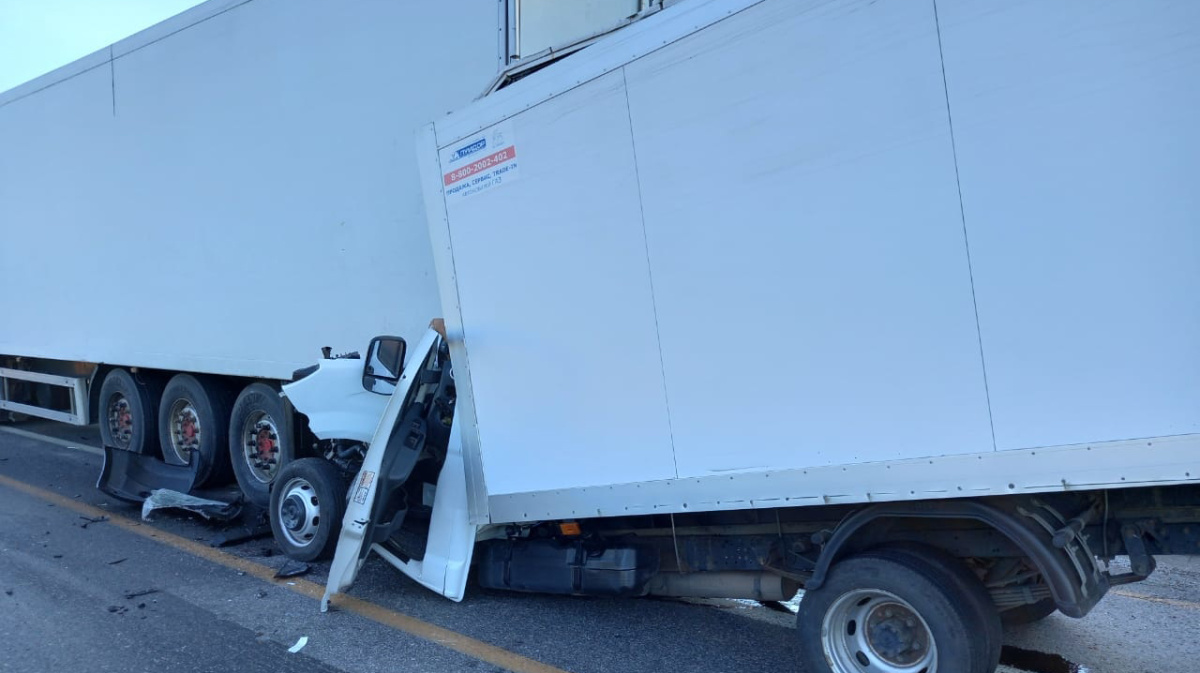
x: 890, y: 301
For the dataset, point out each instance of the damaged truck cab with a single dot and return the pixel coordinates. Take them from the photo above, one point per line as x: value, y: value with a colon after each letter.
x: 399, y: 489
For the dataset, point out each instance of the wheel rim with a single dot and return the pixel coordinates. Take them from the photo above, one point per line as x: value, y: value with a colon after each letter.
x: 874, y: 631
x: 299, y: 512
x: 260, y: 446
x: 120, y: 420
x: 185, y: 430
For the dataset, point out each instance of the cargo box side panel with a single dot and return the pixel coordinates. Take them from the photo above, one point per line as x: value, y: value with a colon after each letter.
x: 809, y: 264
x: 257, y: 194
x: 53, y: 178
x: 1080, y: 159
x: 555, y: 296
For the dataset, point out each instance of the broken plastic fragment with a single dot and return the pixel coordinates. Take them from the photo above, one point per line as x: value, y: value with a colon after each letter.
x: 299, y: 645
x: 209, y: 509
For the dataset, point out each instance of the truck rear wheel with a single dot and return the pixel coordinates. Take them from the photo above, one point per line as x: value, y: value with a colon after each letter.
x: 193, y: 426
x: 260, y: 442
x: 894, y: 613
x: 128, y: 412
x: 308, y: 502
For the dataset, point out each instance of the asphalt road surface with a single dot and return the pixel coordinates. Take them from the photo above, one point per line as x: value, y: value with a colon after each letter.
x: 126, y: 596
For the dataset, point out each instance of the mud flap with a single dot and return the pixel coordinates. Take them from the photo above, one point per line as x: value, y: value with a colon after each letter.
x: 132, y: 477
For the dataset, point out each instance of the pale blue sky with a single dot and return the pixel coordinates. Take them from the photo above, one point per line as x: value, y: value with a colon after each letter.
x: 37, y: 36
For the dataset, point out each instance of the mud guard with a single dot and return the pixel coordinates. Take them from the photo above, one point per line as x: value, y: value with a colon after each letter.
x: 132, y: 476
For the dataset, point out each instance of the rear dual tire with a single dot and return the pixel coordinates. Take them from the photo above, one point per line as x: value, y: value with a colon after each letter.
x: 260, y: 441
x: 901, y: 611
x: 128, y: 409
x: 193, y: 426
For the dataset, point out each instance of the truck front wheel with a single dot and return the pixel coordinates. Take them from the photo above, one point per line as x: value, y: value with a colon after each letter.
x: 260, y: 441
x: 308, y: 502
x: 894, y: 613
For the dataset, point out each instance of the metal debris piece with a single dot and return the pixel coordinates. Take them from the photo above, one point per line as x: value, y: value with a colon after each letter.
x: 137, y: 594
x: 120, y: 560
x: 239, y: 535
x: 209, y: 509
x: 293, y: 569
x: 88, y: 520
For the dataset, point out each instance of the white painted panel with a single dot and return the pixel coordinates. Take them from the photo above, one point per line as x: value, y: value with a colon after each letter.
x: 556, y: 304
x: 1079, y: 149
x: 805, y: 239
x: 255, y: 196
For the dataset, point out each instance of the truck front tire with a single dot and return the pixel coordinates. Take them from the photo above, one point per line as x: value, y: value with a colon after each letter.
x: 895, y: 612
x: 308, y: 502
x: 193, y: 420
x: 128, y: 412
x: 260, y: 441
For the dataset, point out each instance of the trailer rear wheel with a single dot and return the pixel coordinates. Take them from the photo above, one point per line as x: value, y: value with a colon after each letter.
x: 307, y: 506
x: 128, y: 412
x: 259, y: 440
x: 193, y: 422
x: 892, y: 613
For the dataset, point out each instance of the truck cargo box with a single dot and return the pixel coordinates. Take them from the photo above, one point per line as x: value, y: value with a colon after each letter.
x: 760, y: 254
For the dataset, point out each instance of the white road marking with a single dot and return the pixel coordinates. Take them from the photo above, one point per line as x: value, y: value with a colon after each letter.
x: 53, y: 440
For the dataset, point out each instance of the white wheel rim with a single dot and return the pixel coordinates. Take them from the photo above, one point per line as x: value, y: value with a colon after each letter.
x: 876, y: 631
x: 299, y: 512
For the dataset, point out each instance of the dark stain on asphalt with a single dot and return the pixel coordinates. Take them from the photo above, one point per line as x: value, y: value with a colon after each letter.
x: 1039, y: 662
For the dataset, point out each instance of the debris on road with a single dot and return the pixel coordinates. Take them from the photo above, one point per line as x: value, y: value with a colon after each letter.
x: 137, y: 594
x: 120, y: 560
x: 89, y: 520
x: 209, y: 509
x: 293, y: 569
x: 241, y: 534
x: 132, y: 477
x: 299, y: 645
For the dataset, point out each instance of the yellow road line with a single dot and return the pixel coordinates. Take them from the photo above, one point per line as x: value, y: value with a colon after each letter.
x: 1156, y: 599
x: 453, y: 640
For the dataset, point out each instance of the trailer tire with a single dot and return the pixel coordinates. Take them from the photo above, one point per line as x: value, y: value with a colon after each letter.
x: 128, y: 412
x: 193, y: 426
x: 260, y: 441
x: 308, y: 502
x: 1029, y: 613
x: 892, y: 611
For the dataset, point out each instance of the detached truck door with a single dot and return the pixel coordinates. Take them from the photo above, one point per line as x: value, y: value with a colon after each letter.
x: 408, y: 503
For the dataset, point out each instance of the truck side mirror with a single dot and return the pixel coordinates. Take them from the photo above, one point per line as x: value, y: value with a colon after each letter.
x: 384, y: 363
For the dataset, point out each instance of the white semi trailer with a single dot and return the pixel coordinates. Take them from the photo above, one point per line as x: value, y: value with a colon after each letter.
x: 890, y: 301
x: 188, y: 215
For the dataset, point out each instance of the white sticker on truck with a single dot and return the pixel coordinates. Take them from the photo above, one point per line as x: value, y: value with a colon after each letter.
x: 479, y: 163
